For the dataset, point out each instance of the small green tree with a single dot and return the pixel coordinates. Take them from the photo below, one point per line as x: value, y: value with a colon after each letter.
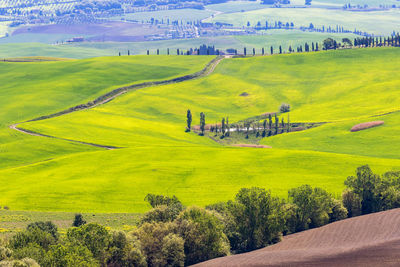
x: 203, y: 234
x: 173, y: 250
x: 223, y: 126
x: 257, y: 218
x: 276, y: 123
x: 264, y: 133
x: 188, y: 120
x: 366, y: 185
x: 78, y: 220
x: 227, y: 127
x: 202, y: 122
x: 284, y: 108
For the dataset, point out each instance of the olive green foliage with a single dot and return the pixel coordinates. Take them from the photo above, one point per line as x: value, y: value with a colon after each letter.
x: 124, y: 250
x: 203, y: 234
x: 284, y: 108
x: 264, y: 221
x: 157, y: 200
x: 173, y: 250
x: 5, y: 253
x: 70, y: 254
x: 78, y: 220
x: 162, y: 213
x: 26, y: 262
x: 151, y: 236
x: 375, y: 192
x: 313, y: 206
x: 352, y: 202
x: 93, y: 236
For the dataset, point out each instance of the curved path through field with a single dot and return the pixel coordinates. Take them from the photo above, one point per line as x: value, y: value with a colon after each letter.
x: 367, y: 241
x: 209, y: 69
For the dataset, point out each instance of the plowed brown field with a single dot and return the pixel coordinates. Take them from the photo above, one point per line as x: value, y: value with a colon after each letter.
x: 370, y: 240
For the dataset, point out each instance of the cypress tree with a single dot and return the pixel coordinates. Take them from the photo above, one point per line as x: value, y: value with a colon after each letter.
x: 288, y: 123
x: 168, y: 51
x: 223, y: 126
x: 148, y: 52
x: 272, y: 50
x: 262, y: 51
x: 247, y: 125
x: 254, y: 51
x: 283, y: 125
x: 129, y: 53
x: 264, y: 126
x: 245, y: 51
x: 202, y: 122
x: 280, y: 49
x: 188, y: 120
x: 276, y: 123
x: 158, y: 51
x: 227, y: 127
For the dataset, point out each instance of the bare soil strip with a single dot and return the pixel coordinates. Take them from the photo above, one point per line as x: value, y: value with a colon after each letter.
x: 368, y: 241
x: 251, y: 145
x: 209, y: 69
x: 366, y: 125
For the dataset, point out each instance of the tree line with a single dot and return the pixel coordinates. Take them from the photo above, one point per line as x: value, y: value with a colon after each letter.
x: 171, y: 234
x: 271, y: 125
x: 327, y: 44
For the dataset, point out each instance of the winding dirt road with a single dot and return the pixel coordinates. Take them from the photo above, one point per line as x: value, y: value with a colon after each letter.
x: 209, y: 69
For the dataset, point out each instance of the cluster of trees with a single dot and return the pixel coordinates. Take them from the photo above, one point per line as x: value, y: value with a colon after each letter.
x: 171, y: 234
x: 393, y: 40
x: 267, y: 128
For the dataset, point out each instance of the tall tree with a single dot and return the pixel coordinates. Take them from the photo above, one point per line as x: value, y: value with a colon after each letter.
x: 272, y: 50
x: 188, y: 120
x: 227, y: 127
x: 202, y: 122
x: 276, y: 123
x: 280, y: 49
x: 264, y: 126
x: 223, y: 126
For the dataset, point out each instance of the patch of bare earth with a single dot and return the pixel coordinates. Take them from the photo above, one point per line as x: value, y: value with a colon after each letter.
x: 366, y: 125
x: 367, y: 241
x: 251, y: 145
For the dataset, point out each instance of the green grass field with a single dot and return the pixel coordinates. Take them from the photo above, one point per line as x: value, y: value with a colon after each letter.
x: 374, y: 22
x: 342, y: 87
x: 36, y: 89
x: 93, y: 49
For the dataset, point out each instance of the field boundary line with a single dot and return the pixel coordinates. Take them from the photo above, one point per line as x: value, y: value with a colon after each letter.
x: 105, y: 98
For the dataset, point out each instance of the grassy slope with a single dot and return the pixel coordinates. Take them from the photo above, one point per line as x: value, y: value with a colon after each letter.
x: 161, y: 158
x: 30, y: 90
x: 92, y: 49
x: 380, y: 141
x: 377, y: 22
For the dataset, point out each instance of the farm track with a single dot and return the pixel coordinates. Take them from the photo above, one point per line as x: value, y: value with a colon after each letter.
x: 208, y: 70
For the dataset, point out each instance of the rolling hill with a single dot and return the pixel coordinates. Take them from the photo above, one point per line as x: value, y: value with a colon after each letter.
x: 157, y: 156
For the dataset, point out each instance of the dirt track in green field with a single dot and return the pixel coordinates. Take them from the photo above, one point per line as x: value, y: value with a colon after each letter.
x: 209, y: 69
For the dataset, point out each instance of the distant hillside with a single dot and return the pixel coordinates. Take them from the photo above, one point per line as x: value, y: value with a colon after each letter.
x: 371, y: 240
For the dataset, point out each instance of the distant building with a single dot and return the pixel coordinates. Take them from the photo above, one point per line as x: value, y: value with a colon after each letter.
x: 76, y: 40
